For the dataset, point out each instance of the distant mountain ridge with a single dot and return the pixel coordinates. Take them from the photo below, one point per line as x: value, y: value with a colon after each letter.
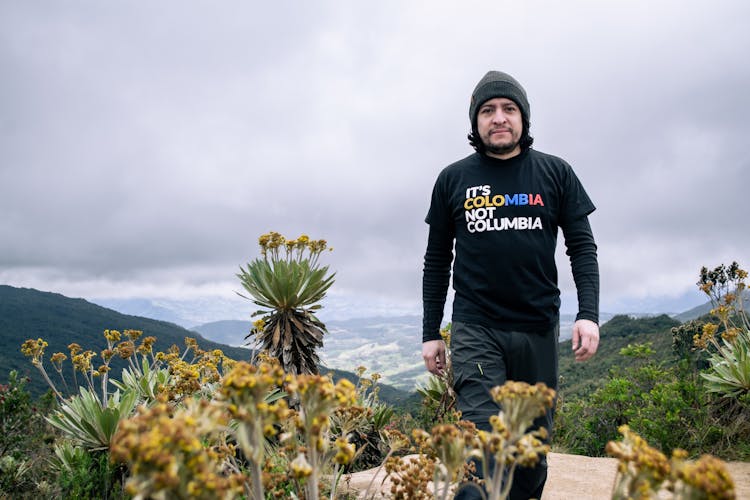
x: 703, y: 309
x: 390, y: 346
x: 27, y: 313
x: 198, y: 313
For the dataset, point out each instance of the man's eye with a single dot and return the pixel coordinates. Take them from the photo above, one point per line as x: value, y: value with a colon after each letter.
x: 485, y: 111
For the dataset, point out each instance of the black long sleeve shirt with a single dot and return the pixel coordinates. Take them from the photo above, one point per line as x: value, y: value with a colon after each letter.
x: 503, y: 216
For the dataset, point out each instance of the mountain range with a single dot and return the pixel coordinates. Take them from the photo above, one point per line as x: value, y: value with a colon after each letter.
x: 31, y: 314
x: 389, y: 346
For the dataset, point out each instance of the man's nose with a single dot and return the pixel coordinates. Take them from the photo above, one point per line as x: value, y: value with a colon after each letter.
x: 498, y: 117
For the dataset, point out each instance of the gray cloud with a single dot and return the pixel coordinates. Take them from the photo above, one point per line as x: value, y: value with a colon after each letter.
x: 144, y: 149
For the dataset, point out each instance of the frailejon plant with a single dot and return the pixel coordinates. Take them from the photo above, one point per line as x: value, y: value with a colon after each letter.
x: 201, y: 426
x: 728, y: 342
x: 288, y: 283
x: 644, y: 472
x: 218, y: 448
x: 90, y: 417
x: 88, y: 422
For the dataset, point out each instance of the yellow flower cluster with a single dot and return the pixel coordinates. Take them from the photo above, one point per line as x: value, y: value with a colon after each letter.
x: 34, y: 349
x: 452, y: 444
x: 300, y: 467
x: 520, y: 404
x: 57, y: 360
x: 318, y: 397
x: 126, y: 349
x: 133, y: 334
x: 395, y: 440
x: 344, y: 451
x: 185, y: 379
x: 107, y: 354
x: 272, y: 242
x: 707, y: 477
x: 643, y: 471
x: 707, y: 334
x: 509, y: 443
x: 319, y: 390
x: 731, y: 333
x: 82, y: 361
x: 259, y: 325
x: 245, y: 388
x: 647, y: 466
x: 722, y: 311
x: 409, y: 478
x: 348, y: 419
x: 165, y: 452
x: 530, y: 448
x: 147, y: 346
x: 112, y: 335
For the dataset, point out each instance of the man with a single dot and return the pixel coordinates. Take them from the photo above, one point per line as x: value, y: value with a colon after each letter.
x: 502, y: 207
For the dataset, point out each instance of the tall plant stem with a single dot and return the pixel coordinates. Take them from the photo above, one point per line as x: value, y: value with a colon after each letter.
x: 372, y: 479
x: 256, y: 479
x: 49, y: 382
x: 312, y: 485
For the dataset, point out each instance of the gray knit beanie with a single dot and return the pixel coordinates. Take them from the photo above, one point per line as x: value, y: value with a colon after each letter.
x: 498, y: 84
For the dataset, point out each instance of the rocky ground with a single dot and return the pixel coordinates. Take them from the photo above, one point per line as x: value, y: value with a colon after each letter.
x: 571, y: 477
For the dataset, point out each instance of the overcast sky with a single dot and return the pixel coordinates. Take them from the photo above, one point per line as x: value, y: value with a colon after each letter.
x: 144, y: 146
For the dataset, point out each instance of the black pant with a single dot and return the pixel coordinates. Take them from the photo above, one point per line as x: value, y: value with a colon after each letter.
x: 483, y: 358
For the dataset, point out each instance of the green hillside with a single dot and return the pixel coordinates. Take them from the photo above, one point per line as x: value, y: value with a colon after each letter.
x: 580, y: 379
x: 30, y: 314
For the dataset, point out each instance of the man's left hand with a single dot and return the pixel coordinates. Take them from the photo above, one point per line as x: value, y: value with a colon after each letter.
x: 585, y: 339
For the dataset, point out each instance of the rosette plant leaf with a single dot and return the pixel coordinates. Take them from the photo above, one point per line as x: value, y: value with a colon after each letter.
x: 728, y: 342
x: 85, y: 421
x: 288, y: 283
x: 146, y: 383
x: 729, y: 375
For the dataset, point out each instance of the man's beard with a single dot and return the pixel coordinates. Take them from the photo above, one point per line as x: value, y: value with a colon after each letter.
x: 500, y: 149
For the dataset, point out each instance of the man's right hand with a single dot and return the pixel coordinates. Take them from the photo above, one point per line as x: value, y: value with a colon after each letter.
x: 433, y: 353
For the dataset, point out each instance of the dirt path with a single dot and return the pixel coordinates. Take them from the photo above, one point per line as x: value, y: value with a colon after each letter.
x: 575, y: 477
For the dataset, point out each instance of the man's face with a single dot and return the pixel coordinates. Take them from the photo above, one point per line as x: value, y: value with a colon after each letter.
x: 500, y: 124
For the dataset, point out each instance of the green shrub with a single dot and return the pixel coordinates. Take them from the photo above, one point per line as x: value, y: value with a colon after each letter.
x: 91, y: 475
x: 700, y: 402
x: 655, y: 401
x: 25, y: 441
